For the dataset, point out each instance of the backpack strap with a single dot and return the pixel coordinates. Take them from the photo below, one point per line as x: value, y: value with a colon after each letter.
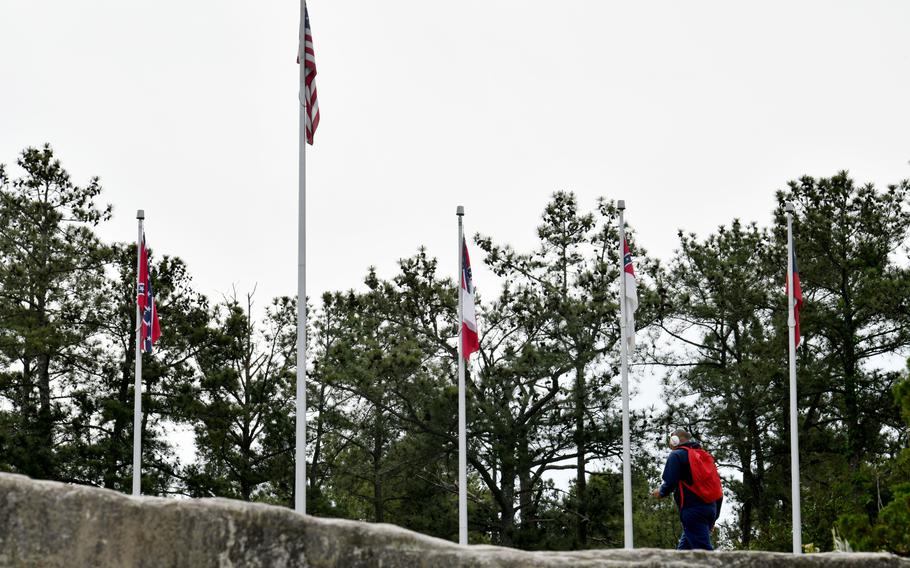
x: 682, y: 493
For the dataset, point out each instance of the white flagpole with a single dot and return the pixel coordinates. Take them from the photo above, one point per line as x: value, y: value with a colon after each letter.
x: 462, y: 428
x: 300, y: 450
x: 137, y: 388
x: 624, y: 364
x: 794, y: 418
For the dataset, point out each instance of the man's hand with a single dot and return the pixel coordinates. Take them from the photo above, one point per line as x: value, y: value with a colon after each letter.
x: 656, y: 493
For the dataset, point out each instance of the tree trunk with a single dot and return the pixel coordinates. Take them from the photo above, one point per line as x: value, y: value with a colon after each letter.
x: 378, y: 505
x: 247, y: 483
x: 527, y: 506
x: 851, y: 404
x: 758, y: 476
x: 745, y: 512
x: 507, y: 508
x: 581, y: 535
x: 317, y: 442
x: 115, y: 450
x: 45, y: 417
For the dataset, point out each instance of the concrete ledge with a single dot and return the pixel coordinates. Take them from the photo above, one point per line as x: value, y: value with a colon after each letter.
x: 49, y: 525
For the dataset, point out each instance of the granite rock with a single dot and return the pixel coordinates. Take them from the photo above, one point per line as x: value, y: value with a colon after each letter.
x: 49, y: 525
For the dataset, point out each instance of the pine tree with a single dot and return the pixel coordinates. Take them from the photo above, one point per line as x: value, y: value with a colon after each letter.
x: 51, y: 272
x: 244, y: 394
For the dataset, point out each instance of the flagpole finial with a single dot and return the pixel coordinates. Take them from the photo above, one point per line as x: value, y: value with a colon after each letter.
x: 788, y: 208
x: 460, y: 211
x: 140, y: 214
x: 621, y: 204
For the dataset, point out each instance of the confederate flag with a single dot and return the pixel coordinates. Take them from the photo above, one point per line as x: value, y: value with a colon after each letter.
x: 631, y: 298
x: 150, y: 330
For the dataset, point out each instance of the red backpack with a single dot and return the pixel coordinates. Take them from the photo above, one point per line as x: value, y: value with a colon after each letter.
x: 705, y: 479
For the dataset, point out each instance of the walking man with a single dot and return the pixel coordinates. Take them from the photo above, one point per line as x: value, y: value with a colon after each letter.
x: 691, y: 476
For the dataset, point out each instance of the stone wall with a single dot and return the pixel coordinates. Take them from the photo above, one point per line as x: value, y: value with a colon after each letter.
x: 50, y: 525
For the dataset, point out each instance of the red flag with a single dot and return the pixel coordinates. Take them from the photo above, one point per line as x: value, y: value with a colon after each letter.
x: 797, y: 296
x: 150, y: 330
x: 469, y: 339
x: 631, y: 298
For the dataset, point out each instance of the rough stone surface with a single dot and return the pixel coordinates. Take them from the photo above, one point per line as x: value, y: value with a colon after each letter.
x: 49, y: 525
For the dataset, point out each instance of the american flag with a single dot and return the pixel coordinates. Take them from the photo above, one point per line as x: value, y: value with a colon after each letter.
x: 150, y: 330
x: 308, y: 88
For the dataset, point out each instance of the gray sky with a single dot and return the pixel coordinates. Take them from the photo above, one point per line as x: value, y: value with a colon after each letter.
x: 694, y: 113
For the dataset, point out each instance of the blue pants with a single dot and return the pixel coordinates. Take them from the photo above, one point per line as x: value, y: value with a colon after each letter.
x: 697, y: 522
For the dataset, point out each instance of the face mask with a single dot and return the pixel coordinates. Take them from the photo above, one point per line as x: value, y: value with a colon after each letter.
x: 674, y: 440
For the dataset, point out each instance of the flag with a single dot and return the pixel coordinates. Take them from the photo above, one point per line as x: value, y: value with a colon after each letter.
x: 797, y: 296
x: 631, y: 298
x: 469, y: 339
x: 308, y: 88
x: 150, y: 330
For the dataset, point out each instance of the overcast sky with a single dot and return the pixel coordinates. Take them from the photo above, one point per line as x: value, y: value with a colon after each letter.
x: 694, y: 113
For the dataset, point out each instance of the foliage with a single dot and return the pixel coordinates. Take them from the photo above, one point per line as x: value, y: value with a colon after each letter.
x: 857, y: 295
x: 732, y: 368
x: 889, y: 530
x: 557, y: 310
x: 51, y: 274
x: 542, y: 393
x: 241, y: 405
x: 105, y: 410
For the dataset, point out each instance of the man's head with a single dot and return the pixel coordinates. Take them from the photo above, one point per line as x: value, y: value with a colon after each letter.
x: 678, y: 437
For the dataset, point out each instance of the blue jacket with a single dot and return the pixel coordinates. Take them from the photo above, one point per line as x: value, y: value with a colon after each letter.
x: 676, y: 470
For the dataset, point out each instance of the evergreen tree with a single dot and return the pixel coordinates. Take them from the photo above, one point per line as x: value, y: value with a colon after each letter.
x: 104, y: 413
x: 327, y: 406
x: 721, y: 317
x: 857, y: 308
x: 889, y: 529
x: 564, y: 293
x: 542, y: 393
x: 243, y: 395
x: 51, y: 274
